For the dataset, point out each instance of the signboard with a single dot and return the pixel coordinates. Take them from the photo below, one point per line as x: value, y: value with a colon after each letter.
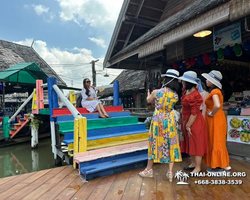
x: 238, y: 129
x: 227, y: 36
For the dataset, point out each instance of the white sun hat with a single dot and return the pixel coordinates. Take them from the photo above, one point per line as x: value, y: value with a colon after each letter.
x: 214, y: 77
x: 171, y: 73
x: 190, y: 76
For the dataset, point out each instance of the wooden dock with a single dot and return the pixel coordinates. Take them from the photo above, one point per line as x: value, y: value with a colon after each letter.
x: 64, y: 183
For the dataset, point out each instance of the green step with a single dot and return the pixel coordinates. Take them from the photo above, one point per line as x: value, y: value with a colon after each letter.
x: 44, y: 111
x: 65, y: 127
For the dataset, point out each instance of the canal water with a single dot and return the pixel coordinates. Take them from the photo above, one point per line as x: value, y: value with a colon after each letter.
x: 21, y: 159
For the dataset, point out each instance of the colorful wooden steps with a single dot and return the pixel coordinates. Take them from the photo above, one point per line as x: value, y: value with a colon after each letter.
x: 128, y: 136
x: 18, y: 126
x: 65, y: 127
x: 107, y: 132
x: 45, y: 111
x: 111, y: 160
x: 110, y: 151
x: 65, y: 118
x: 65, y: 111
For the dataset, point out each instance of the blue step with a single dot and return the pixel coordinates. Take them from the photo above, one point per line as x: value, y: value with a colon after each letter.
x: 127, y: 167
x: 65, y: 118
x: 108, y: 131
x: 110, y: 164
x: 69, y: 141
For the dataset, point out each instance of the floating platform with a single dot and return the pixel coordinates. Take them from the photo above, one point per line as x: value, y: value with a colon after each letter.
x: 64, y: 183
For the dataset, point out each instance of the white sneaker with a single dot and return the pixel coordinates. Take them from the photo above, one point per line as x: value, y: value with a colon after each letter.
x: 228, y: 168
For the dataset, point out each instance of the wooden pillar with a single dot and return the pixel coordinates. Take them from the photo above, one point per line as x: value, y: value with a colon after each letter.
x: 138, y: 100
x: 53, y: 103
x: 116, y: 94
x: 34, y: 136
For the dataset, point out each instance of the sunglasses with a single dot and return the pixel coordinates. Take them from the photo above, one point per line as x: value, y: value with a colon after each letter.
x: 88, y: 81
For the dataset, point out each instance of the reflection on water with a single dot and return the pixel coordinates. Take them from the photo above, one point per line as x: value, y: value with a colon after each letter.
x: 21, y: 159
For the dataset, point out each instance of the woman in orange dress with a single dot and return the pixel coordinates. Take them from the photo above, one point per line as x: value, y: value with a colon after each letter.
x: 194, y: 127
x: 217, y: 158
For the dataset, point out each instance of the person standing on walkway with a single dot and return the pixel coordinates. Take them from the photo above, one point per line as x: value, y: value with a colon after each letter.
x: 163, y: 139
x: 217, y: 158
x: 193, y: 123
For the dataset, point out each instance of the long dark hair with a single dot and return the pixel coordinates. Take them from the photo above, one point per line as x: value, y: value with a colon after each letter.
x: 173, y: 85
x: 85, y: 87
x: 189, y: 86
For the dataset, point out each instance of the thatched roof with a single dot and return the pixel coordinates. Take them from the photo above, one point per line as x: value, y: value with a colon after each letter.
x: 12, y: 54
x: 129, y: 80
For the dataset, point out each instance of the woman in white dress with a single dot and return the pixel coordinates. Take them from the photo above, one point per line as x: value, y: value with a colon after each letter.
x: 90, y: 100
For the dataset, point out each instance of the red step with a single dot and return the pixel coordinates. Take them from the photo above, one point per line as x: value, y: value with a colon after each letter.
x: 65, y: 111
x: 18, y: 127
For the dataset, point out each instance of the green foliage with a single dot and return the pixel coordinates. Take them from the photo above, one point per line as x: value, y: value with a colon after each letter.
x: 35, y: 122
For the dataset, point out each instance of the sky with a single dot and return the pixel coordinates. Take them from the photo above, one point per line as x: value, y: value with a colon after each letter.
x: 67, y: 34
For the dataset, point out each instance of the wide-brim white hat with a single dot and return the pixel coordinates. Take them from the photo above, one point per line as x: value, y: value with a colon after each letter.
x: 214, y: 77
x: 189, y: 76
x: 171, y: 73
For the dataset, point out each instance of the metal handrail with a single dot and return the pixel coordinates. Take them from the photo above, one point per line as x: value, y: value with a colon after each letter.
x: 21, y: 107
x: 66, y: 102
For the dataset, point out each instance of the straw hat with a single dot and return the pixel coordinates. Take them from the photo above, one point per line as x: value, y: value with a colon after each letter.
x: 189, y: 76
x: 171, y: 73
x: 214, y: 77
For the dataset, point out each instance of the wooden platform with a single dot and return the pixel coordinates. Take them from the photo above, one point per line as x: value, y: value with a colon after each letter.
x: 64, y: 183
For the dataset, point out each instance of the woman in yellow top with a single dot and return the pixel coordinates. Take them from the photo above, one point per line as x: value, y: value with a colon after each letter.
x: 217, y: 158
x: 163, y: 139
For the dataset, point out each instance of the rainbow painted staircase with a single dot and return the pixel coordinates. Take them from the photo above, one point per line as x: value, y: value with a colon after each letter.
x: 18, y: 126
x: 113, y: 144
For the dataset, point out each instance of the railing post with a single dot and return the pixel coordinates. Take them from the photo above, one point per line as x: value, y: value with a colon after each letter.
x: 39, y: 93
x: 116, y: 94
x: 82, y: 134
x: 76, y: 136
x: 34, y: 107
x: 72, y: 97
x: 53, y: 103
x: 6, y: 128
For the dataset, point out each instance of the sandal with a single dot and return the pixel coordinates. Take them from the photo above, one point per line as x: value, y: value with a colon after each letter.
x: 170, y: 176
x: 147, y: 173
x: 102, y: 116
x: 107, y: 116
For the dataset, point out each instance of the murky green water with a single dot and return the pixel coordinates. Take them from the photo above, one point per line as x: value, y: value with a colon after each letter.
x: 21, y: 159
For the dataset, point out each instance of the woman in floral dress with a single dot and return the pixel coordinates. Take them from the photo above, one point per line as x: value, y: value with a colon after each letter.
x: 163, y: 139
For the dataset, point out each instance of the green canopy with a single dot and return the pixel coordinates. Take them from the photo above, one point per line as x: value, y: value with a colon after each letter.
x: 24, y: 73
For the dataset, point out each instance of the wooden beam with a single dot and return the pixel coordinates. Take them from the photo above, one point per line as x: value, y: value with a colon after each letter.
x: 138, y: 21
x: 150, y: 18
x: 131, y: 30
x: 148, y: 7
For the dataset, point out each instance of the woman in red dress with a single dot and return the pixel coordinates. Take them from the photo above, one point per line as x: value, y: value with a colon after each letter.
x: 195, y: 134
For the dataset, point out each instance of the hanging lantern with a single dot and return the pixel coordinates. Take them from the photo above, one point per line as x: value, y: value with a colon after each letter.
x: 220, y: 54
x: 228, y: 51
x: 175, y: 66
x: 206, y: 59
x: 200, y: 61
x: 192, y: 61
x: 246, y: 46
x: 187, y: 63
x: 237, y: 50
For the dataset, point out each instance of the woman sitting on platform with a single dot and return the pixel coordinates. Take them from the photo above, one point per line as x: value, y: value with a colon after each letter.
x: 90, y: 100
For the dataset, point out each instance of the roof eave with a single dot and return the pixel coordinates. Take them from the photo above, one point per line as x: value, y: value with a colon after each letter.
x: 116, y: 32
